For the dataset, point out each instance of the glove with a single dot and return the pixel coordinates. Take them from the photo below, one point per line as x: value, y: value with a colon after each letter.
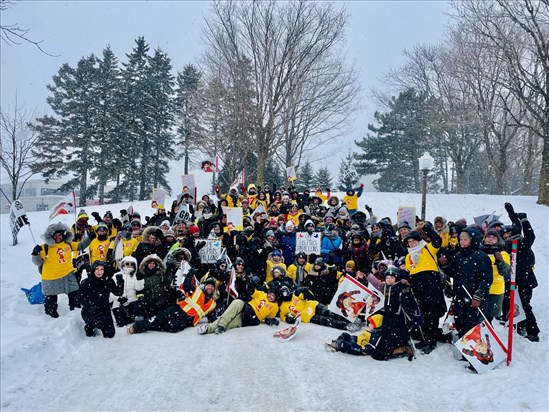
x: 117, y: 223
x: 522, y: 216
x: 362, y: 185
x: 139, y: 275
x: 92, y: 235
x: 96, y: 215
x: 147, y: 218
x: 368, y: 208
x: 119, y: 278
x: 272, y: 321
x: 36, y: 251
x: 200, y: 244
x: 510, y: 210
x: 290, y: 319
x: 216, y: 188
x: 122, y: 300
x: 328, y: 190
x: 123, y: 212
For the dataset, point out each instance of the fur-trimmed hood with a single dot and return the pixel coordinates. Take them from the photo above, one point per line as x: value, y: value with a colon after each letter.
x: 178, y: 254
x: 149, y: 230
x: 57, y: 227
x: 148, y: 258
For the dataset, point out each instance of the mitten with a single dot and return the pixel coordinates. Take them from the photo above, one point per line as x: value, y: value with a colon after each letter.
x: 272, y: 321
x: 510, y: 210
x: 92, y: 235
x: 36, y: 251
x: 119, y: 279
x: 290, y: 319
x: 122, y: 300
x: 522, y: 216
x: 123, y: 212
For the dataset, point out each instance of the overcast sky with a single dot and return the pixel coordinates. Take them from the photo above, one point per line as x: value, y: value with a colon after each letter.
x: 378, y: 32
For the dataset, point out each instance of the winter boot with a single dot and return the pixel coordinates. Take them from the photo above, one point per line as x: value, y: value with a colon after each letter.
x: 130, y: 330
x: 202, y: 329
x: 331, y: 347
x: 90, y: 331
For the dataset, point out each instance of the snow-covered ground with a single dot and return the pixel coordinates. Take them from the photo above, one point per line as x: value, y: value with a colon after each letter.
x: 49, y: 364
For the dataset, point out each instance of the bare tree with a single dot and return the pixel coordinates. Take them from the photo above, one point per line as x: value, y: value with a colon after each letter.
x: 287, y: 45
x: 17, y: 140
x: 500, y: 24
x: 12, y: 34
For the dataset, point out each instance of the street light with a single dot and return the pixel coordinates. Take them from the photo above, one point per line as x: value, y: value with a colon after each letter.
x: 425, y: 165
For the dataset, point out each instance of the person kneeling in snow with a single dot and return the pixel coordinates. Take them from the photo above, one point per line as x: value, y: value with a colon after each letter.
x: 94, y: 297
x: 262, y: 307
x: 198, y: 302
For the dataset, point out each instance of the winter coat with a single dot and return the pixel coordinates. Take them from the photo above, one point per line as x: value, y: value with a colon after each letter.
x: 284, y: 286
x: 298, y: 304
x: 270, y: 265
x: 322, y: 284
x: 145, y: 248
x: 399, y: 305
x: 525, y: 277
x: 359, y: 254
x: 157, y: 283
x: 500, y: 269
x: 287, y: 242
x: 94, y: 297
x: 132, y: 285
x: 331, y: 250
x: 298, y: 273
x: 470, y: 269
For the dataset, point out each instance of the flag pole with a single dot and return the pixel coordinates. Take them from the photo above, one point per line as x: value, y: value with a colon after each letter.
x: 511, y: 314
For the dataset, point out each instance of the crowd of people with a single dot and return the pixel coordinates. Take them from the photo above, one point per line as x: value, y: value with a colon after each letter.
x: 148, y: 273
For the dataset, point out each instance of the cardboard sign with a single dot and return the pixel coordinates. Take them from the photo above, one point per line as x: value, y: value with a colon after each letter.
x: 158, y: 198
x: 307, y: 243
x: 189, y: 187
x: 479, y: 345
x: 353, y: 298
x: 406, y: 214
x: 290, y: 173
x: 211, y: 251
x: 234, y: 218
x: 183, y: 213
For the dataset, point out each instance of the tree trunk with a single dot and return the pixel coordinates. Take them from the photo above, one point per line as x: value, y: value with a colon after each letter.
x: 460, y: 180
x: 543, y: 193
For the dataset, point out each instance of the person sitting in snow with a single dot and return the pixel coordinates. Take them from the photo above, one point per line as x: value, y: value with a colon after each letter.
x: 198, y: 301
x: 94, y: 297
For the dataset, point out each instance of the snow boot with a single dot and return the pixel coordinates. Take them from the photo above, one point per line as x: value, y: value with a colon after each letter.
x: 202, y: 329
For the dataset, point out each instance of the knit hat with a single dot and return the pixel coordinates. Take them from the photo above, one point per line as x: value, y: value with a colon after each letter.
x: 193, y: 229
x: 168, y: 232
x: 269, y: 233
x: 165, y: 222
x: 289, y: 224
x: 412, y: 235
x: 375, y: 321
x: 82, y: 215
x: 350, y: 263
x: 492, y: 232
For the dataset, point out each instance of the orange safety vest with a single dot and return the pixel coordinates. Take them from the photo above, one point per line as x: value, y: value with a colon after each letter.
x: 196, y: 306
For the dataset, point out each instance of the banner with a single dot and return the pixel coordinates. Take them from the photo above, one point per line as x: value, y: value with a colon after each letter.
x: 477, y: 346
x: 18, y: 219
x: 485, y: 220
x: 259, y: 212
x: 211, y: 251
x: 158, y: 198
x: 234, y: 219
x: 308, y: 243
x: 353, y: 298
x: 406, y: 214
x: 290, y: 174
x: 207, y: 166
x: 66, y: 206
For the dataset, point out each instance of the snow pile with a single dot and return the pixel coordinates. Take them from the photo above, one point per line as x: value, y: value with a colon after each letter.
x: 49, y: 364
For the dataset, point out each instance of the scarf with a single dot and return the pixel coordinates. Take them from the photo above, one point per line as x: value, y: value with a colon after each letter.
x: 416, y: 251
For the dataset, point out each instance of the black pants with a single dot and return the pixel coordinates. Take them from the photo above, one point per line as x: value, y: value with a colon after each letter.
x: 173, y: 320
x: 325, y: 317
x: 125, y: 315
x: 530, y: 324
x: 50, y: 302
x: 103, y: 323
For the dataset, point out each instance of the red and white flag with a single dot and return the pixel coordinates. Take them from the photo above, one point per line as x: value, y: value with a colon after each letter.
x: 239, y: 181
x: 216, y: 163
x: 231, y: 284
x: 66, y: 206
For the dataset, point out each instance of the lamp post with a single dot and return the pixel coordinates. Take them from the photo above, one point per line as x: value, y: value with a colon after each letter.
x: 425, y: 165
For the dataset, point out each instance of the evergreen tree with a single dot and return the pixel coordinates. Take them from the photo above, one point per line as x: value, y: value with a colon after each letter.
x: 160, y: 117
x: 348, y: 177
x: 110, y: 152
x: 323, y: 179
x: 394, y: 148
x: 189, y: 111
x: 305, y: 177
x: 273, y: 174
x: 134, y: 103
x: 70, y: 137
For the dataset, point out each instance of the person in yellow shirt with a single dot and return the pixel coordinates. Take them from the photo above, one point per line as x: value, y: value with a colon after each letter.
x: 421, y: 262
x: 54, y: 258
x: 263, y: 307
x: 298, y: 270
x: 99, y: 246
x: 493, y: 245
x: 351, y: 199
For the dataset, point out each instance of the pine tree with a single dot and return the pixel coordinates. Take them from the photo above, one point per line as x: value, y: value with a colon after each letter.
x: 160, y: 116
x: 70, y: 138
x: 273, y: 174
x: 396, y: 145
x: 134, y: 104
x: 323, y: 179
x: 348, y: 177
x: 305, y: 177
x: 189, y: 111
